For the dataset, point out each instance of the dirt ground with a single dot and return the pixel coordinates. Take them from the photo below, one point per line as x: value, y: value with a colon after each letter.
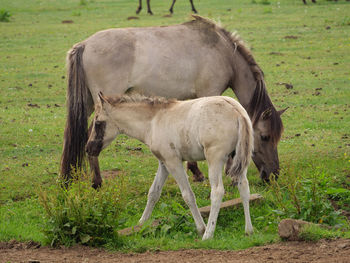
x: 323, y: 251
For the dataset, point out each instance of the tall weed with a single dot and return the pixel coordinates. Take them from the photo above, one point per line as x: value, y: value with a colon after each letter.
x: 5, y: 15
x: 304, y: 197
x: 81, y: 214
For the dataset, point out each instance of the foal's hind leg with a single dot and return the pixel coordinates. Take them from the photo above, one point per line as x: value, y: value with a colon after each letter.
x: 243, y: 187
x: 155, y: 191
x: 217, y: 192
x: 177, y: 170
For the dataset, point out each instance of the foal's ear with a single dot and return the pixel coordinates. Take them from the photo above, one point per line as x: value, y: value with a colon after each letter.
x: 280, y: 112
x: 102, y: 98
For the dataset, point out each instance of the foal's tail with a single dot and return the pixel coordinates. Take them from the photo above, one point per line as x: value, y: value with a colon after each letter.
x: 244, y: 147
x: 75, y: 134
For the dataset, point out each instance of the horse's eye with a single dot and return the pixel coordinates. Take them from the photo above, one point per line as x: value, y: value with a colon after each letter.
x: 98, y: 123
x: 265, y: 138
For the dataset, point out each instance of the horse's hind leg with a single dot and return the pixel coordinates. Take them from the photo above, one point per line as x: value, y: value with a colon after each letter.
x: 243, y: 187
x: 216, y: 195
x: 197, y: 174
x: 155, y: 191
x: 177, y: 170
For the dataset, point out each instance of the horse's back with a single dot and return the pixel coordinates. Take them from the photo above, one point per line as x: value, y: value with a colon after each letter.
x: 180, y: 61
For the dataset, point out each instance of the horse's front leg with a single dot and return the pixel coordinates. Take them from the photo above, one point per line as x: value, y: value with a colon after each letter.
x: 197, y: 174
x: 95, y: 169
x: 177, y: 170
x: 155, y: 191
x: 216, y: 195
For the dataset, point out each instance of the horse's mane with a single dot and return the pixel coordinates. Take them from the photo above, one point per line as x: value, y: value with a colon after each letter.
x: 260, y: 100
x: 138, y: 98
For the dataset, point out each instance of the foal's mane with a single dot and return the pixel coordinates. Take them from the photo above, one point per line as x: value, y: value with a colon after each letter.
x: 260, y: 100
x: 138, y: 98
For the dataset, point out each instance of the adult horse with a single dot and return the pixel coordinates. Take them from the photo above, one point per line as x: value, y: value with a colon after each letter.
x: 190, y: 60
x: 149, y: 11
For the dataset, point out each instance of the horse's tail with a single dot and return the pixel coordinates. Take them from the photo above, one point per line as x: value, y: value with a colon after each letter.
x: 76, y: 131
x: 244, y: 147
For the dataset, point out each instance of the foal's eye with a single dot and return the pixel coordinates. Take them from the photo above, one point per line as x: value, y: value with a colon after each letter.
x: 265, y: 138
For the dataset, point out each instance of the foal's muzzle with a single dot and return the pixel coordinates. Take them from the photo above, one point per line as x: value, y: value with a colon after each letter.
x: 93, y: 148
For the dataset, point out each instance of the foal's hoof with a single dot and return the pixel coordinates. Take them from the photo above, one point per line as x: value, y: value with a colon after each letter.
x: 249, y: 232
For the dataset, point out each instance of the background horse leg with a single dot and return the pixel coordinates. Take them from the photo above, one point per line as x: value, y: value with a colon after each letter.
x: 138, y: 10
x: 177, y: 170
x: 149, y: 7
x: 243, y: 187
x: 155, y: 191
x: 193, y: 8
x: 172, y: 5
x: 197, y: 174
x: 216, y: 195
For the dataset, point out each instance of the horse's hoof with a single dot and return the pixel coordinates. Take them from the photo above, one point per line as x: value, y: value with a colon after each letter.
x: 96, y: 186
x: 198, y: 177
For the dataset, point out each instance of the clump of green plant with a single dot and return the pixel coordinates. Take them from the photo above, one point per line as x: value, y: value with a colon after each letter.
x: 314, y: 232
x: 173, y: 219
x: 83, y: 2
x: 304, y: 197
x: 265, y: 2
x: 80, y: 214
x: 5, y: 15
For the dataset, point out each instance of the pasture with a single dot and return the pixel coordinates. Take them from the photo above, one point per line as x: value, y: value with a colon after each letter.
x: 304, y: 51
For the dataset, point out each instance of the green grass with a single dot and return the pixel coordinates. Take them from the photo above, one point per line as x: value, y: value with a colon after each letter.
x: 34, y: 44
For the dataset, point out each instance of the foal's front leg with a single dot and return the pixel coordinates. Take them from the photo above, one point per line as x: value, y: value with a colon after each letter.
x: 216, y: 195
x: 155, y: 191
x: 177, y: 170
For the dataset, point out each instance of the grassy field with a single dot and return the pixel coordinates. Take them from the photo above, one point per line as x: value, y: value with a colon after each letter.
x: 305, y: 46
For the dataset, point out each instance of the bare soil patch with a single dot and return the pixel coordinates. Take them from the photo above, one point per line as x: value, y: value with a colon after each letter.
x: 322, y: 251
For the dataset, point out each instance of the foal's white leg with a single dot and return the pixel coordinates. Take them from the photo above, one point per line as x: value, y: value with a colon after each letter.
x: 155, y: 191
x: 179, y: 173
x: 217, y: 192
x: 243, y: 187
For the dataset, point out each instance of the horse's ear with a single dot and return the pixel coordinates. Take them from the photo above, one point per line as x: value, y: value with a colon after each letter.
x: 266, y: 114
x: 280, y: 112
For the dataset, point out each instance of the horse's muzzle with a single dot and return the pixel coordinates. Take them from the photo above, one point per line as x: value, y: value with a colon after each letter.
x: 93, y: 148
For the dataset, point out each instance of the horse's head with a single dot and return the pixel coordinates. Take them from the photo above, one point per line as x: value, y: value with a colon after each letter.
x: 103, y: 131
x: 266, y: 137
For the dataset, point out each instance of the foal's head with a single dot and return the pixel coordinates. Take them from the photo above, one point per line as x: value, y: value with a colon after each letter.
x: 103, y: 131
